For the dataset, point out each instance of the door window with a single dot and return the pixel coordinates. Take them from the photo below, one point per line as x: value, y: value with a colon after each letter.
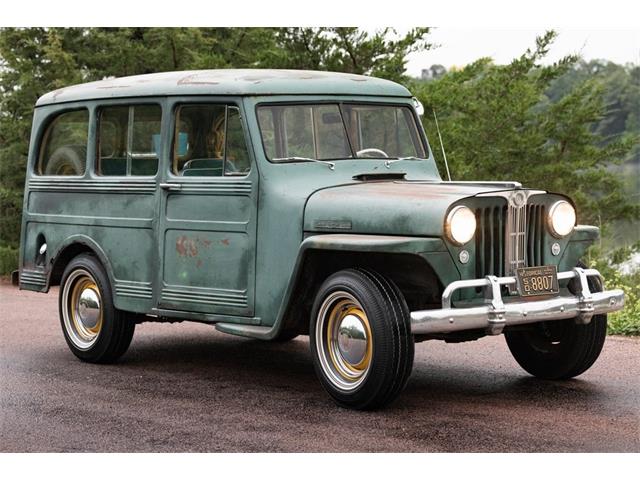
x: 209, y: 141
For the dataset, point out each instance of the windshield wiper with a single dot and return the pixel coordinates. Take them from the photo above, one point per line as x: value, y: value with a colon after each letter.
x: 331, y: 165
x: 400, y: 159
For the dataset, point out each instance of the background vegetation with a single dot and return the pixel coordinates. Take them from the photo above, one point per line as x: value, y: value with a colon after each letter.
x: 571, y: 127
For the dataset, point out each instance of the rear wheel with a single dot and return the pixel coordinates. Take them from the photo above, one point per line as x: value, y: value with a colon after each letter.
x: 361, y: 340
x: 94, y: 329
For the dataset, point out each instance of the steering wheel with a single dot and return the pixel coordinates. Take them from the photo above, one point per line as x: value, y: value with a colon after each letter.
x: 377, y: 151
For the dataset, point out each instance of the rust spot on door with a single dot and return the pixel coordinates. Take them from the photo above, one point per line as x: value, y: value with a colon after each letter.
x: 186, y: 247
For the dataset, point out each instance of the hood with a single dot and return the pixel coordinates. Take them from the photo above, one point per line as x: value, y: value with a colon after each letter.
x: 390, y: 207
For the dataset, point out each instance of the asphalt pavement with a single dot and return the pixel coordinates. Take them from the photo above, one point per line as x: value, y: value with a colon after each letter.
x: 186, y: 387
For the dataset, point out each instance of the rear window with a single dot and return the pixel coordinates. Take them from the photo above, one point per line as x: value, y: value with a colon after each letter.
x: 63, y: 150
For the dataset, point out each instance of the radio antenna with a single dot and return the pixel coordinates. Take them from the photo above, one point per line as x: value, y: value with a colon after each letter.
x: 444, y: 155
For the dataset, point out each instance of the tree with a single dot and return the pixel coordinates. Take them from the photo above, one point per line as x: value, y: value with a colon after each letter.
x: 498, y: 123
x: 346, y: 49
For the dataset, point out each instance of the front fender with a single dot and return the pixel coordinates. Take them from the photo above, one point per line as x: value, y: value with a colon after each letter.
x: 433, y: 250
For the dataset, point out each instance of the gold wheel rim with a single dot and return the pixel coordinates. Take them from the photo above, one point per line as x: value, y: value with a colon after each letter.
x: 82, y: 309
x: 344, y: 340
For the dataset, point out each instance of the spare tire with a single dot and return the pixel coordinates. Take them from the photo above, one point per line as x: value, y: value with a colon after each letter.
x: 67, y: 160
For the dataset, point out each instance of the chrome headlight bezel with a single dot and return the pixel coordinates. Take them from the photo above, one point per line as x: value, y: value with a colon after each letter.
x: 454, y: 234
x: 552, y: 224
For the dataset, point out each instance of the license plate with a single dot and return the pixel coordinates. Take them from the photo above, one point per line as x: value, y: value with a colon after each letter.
x: 534, y: 281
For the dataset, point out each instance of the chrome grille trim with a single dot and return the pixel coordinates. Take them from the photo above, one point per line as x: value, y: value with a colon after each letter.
x: 516, y: 231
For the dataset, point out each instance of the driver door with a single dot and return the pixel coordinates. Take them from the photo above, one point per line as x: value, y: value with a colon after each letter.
x: 207, y: 227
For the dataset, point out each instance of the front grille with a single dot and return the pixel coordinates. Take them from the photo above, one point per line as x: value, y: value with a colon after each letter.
x: 507, y: 239
x: 490, y: 236
x: 536, y: 215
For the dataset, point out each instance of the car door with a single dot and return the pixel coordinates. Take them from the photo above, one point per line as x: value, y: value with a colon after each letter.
x: 207, y: 222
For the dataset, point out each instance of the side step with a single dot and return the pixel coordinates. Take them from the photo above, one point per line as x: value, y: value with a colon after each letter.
x: 251, y: 331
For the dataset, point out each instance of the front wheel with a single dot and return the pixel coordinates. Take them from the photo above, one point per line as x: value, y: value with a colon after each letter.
x: 360, y: 337
x: 94, y: 329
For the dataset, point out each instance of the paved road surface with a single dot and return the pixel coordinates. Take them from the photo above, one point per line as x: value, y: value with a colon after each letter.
x: 186, y: 387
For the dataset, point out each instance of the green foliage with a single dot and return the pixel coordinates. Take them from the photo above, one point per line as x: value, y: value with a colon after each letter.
x: 348, y: 49
x: 627, y: 321
x: 498, y: 123
x: 8, y: 260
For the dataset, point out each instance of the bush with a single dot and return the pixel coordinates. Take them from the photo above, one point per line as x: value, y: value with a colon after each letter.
x: 8, y: 260
x: 626, y: 321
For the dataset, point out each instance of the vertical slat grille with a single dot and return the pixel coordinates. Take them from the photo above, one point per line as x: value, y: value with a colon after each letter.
x: 526, y: 231
x: 535, y: 235
x: 490, y: 241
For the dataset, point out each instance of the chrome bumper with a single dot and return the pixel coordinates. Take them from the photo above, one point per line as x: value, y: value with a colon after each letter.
x: 496, y: 313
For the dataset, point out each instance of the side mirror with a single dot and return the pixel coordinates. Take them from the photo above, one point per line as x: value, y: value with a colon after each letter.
x: 418, y: 106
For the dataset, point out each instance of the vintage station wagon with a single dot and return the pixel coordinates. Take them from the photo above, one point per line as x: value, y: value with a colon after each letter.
x: 278, y: 203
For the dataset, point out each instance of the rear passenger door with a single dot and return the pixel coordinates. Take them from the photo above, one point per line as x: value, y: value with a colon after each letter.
x: 207, y: 223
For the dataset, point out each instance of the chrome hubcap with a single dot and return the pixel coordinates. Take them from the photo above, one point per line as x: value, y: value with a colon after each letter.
x: 343, y: 340
x: 352, y: 339
x: 82, y: 309
x: 88, y: 308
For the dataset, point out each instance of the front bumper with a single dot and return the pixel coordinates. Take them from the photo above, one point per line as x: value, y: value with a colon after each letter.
x: 497, y: 313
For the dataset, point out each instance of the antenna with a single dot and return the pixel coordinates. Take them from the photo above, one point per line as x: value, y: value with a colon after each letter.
x: 444, y: 155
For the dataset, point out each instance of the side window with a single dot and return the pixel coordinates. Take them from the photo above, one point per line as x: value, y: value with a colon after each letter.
x: 63, y: 150
x: 129, y: 140
x: 209, y: 141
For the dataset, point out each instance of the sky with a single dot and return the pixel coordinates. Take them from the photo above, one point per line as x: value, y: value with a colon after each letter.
x: 460, y: 46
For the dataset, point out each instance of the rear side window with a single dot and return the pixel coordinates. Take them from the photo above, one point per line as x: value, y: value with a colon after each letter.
x: 63, y: 150
x: 209, y: 141
x: 129, y: 140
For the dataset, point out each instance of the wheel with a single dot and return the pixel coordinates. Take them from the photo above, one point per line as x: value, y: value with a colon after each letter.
x: 560, y: 349
x: 67, y: 160
x: 95, y: 331
x: 360, y: 338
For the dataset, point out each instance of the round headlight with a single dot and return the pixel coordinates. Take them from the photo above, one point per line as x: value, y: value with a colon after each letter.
x: 460, y: 225
x: 562, y: 218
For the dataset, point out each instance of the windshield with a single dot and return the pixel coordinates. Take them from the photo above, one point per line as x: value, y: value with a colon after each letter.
x: 339, y: 131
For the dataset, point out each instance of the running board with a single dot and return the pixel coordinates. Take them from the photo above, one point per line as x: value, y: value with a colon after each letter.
x: 251, y: 331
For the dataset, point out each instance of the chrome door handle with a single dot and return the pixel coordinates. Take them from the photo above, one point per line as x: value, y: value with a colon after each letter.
x: 171, y: 186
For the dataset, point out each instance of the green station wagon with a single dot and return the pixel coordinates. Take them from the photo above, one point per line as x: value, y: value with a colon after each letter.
x: 275, y: 203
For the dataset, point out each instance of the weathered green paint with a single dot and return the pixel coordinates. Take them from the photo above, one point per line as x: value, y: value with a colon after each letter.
x: 228, y: 249
x: 228, y: 83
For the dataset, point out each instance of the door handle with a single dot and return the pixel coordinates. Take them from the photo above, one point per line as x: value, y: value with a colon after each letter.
x: 171, y: 186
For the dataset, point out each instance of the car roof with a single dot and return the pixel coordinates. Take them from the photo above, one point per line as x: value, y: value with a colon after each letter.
x: 228, y: 82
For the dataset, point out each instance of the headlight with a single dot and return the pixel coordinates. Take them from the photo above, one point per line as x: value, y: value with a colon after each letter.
x: 562, y: 218
x: 460, y: 225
